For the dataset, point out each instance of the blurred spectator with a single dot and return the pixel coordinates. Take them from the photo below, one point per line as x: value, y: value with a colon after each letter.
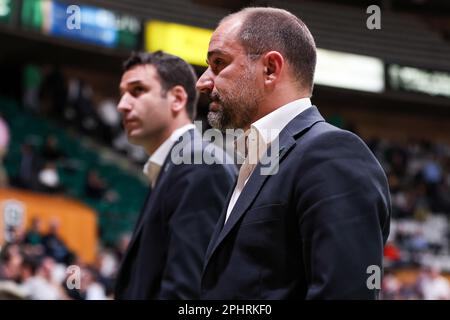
x: 109, y: 118
x: 54, y: 92
x: 4, y: 142
x: 417, y: 246
x: 392, y: 255
x: 432, y: 172
x: 97, y: 188
x: 33, y: 236
x: 397, y: 159
x: 29, y: 166
x: 10, y: 263
x: 10, y: 290
x: 91, y: 289
x: 32, y: 80
x: 82, y: 109
x: 108, y: 264
x: 15, y: 234
x: 37, y: 279
x: 390, y: 289
x: 49, y: 178
x: 54, y: 246
x: 433, y: 285
x: 50, y: 150
x: 107, y: 269
x: 122, y: 245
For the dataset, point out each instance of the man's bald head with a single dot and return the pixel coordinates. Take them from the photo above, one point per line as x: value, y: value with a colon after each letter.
x: 271, y: 29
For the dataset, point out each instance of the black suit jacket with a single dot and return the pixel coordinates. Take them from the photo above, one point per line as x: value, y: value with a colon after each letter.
x: 308, y: 232
x: 166, y: 253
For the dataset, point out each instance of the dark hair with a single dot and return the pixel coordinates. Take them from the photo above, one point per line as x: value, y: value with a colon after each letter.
x: 266, y: 29
x: 33, y: 263
x: 172, y: 71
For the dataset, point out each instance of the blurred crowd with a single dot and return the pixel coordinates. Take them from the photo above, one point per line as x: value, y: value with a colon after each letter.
x: 48, y: 91
x: 419, y: 178
x: 40, y: 171
x: 39, y: 266
x: 429, y: 284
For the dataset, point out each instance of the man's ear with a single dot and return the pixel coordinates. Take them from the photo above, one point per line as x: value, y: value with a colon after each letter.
x: 178, y: 98
x: 273, y: 63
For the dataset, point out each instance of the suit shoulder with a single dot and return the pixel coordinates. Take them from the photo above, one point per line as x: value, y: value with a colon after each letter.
x: 325, y: 135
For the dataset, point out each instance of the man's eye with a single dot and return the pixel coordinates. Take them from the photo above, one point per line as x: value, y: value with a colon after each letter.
x: 138, y: 90
x: 217, y: 65
x: 218, y: 62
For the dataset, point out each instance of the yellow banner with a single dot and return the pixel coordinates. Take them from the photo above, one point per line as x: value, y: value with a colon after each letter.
x: 187, y: 42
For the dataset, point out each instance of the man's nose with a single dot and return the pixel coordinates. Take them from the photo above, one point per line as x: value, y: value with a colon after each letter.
x: 205, y: 83
x: 124, y: 104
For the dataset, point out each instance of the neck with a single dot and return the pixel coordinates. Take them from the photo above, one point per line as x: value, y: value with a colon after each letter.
x: 154, y: 144
x: 277, y: 99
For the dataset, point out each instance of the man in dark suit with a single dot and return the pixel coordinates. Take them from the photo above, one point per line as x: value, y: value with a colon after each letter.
x: 166, y: 252
x: 313, y: 225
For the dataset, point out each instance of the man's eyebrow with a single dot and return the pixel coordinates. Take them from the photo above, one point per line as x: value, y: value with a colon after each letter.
x: 213, y: 52
x: 122, y: 88
x: 132, y: 82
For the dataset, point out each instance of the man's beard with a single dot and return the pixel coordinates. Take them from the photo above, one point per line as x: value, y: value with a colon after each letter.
x: 238, y: 108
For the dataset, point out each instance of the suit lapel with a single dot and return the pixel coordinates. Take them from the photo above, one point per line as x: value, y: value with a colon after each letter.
x: 219, y: 224
x: 287, y: 140
x: 249, y: 193
x: 155, y: 193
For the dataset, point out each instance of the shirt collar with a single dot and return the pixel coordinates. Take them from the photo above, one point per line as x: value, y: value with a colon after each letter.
x: 266, y: 129
x: 159, y: 156
x: 270, y: 126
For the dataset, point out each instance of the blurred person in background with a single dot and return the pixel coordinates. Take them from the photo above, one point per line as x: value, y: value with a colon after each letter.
x: 51, y: 151
x: 54, y: 246
x: 311, y: 230
x: 38, y: 281
x: 122, y: 245
x: 30, y: 165
x: 109, y: 119
x: 53, y: 91
x: 92, y: 289
x: 4, y: 142
x: 432, y: 285
x: 31, y: 82
x: 33, y: 238
x: 165, y: 257
x: 97, y: 188
x: 391, y: 286
x: 48, y: 178
x: 34, y: 235
x: 10, y: 262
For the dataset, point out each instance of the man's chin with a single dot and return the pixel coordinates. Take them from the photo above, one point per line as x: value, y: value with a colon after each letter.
x: 215, y: 120
x: 134, y: 138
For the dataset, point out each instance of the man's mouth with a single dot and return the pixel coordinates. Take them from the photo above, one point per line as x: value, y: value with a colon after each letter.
x: 214, y: 106
x: 129, y: 122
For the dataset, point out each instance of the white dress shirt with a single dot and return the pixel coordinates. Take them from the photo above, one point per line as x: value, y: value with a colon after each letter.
x: 257, y: 139
x: 156, y: 160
